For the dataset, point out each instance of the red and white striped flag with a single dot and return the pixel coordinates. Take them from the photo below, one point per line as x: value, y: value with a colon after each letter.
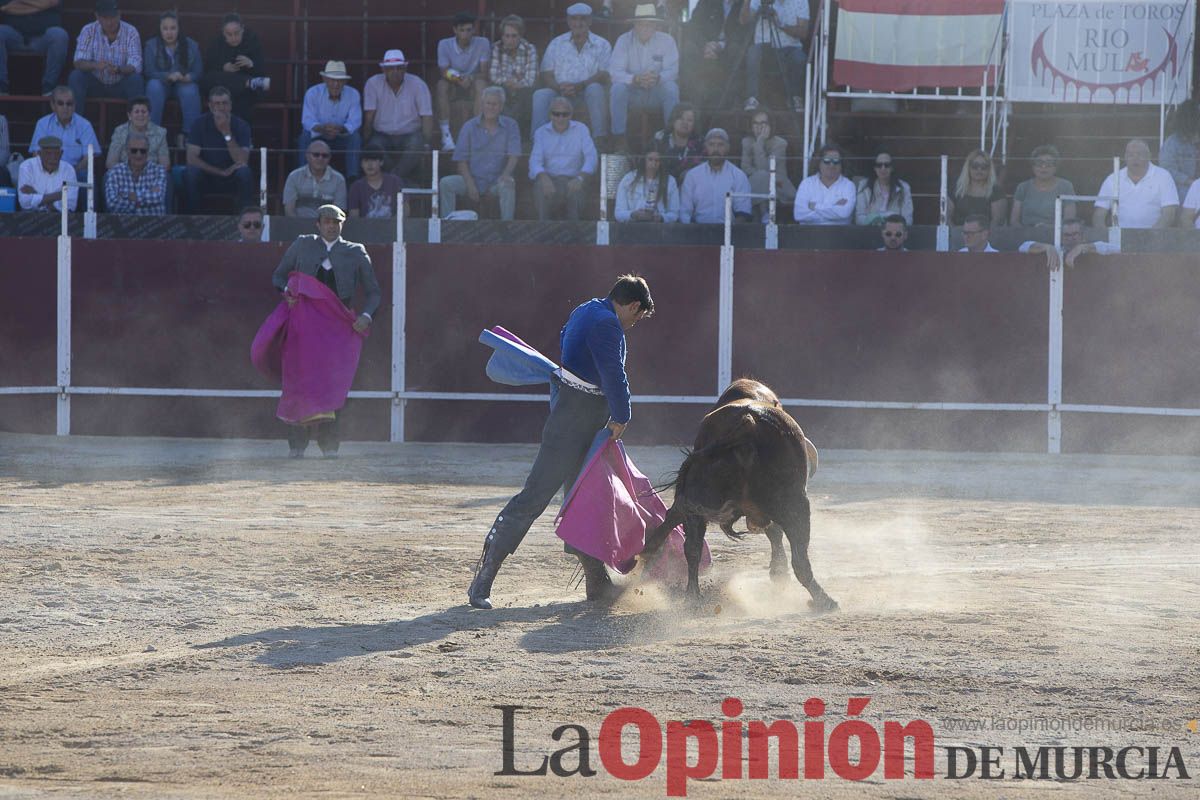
x: 897, y: 45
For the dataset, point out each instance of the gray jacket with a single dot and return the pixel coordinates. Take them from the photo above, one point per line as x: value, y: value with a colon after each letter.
x: 351, y: 264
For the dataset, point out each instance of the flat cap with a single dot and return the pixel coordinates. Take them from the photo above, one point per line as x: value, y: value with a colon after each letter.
x: 330, y: 210
x: 579, y: 10
x: 49, y: 143
x: 717, y: 133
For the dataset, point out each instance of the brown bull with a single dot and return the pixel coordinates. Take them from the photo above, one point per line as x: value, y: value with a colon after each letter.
x: 750, y: 459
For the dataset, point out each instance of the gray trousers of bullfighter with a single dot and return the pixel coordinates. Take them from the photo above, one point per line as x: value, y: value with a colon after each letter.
x: 566, y: 438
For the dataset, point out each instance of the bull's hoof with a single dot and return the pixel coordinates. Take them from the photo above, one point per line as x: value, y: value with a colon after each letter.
x: 781, y: 573
x: 823, y: 605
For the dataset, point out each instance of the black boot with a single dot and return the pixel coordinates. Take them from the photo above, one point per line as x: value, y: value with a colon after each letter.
x: 479, y: 594
x: 600, y: 588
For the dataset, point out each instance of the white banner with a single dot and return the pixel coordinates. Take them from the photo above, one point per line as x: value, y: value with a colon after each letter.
x: 1099, y: 51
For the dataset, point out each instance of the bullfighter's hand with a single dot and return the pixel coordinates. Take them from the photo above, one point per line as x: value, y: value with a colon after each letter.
x: 289, y: 298
x: 617, y: 428
x: 362, y: 323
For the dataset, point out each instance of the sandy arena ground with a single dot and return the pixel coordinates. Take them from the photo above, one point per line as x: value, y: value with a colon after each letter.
x: 207, y: 619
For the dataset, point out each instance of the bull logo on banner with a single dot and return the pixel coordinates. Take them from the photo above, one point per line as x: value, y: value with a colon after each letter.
x: 1131, y: 52
x: 1043, y: 67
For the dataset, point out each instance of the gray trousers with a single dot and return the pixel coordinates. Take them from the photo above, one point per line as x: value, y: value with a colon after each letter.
x: 566, y: 438
x: 570, y: 200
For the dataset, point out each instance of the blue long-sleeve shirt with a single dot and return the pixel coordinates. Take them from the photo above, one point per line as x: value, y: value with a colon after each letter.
x: 593, y: 348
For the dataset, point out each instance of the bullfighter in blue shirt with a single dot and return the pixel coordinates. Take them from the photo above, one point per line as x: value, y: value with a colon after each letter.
x: 591, y: 391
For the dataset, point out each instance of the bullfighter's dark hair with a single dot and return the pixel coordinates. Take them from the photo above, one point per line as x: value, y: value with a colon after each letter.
x: 632, y: 288
x: 898, y: 219
x: 980, y: 220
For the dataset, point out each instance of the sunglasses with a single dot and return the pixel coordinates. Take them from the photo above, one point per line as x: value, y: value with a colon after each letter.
x: 560, y: 113
x: 883, y: 164
x: 890, y: 235
x: 138, y: 150
x: 833, y: 161
x: 973, y: 233
x: 319, y: 155
x: 1044, y: 162
x: 252, y: 224
x: 980, y: 165
x: 64, y: 102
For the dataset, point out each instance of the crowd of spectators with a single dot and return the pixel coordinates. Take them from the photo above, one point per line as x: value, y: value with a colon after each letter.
x: 497, y: 101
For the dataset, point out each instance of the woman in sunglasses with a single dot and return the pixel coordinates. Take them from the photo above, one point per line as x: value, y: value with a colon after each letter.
x: 884, y: 195
x: 977, y: 192
x: 1033, y: 202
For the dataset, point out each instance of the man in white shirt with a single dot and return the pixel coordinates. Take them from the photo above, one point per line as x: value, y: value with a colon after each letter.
x: 1190, y: 216
x: 828, y: 197
x: 1147, y: 197
x: 575, y: 66
x: 1072, y: 244
x: 645, y: 72
x: 42, y: 179
x: 975, y: 230
x: 702, y: 198
x: 783, y: 23
x: 563, y: 157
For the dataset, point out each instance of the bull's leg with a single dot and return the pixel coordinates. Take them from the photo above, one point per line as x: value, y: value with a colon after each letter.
x: 797, y: 525
x: 656, y: 537
x: 693, y: 548
x: 779, y: 561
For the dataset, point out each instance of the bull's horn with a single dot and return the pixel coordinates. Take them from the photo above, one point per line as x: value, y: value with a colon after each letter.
x: 810, y: 450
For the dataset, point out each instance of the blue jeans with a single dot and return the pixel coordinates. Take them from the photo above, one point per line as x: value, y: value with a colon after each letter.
x: 188, y: 95
x: 86, y: 83
x: 624, y: 96
x: 241, y: 182
x: 593, y: 96
x: 52, y: 44
x: 348, y: 143
x: 793, y: 62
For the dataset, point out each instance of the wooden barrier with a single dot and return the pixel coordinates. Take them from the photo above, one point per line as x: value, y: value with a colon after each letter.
x: 818, y: 326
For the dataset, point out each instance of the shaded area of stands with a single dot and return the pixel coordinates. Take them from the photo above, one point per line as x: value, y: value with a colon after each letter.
x: 299, y: 36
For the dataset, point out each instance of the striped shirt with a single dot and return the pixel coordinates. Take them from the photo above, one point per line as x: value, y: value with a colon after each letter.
x: 93, y: 45
x: 520, y: 66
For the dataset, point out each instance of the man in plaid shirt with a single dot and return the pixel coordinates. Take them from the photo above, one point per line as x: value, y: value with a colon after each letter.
x: 108, y: 58
x: 137, y: 186
x: 514, y: 68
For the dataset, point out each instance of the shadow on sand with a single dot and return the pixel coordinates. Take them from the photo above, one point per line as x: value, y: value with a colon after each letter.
x: 569, y: 627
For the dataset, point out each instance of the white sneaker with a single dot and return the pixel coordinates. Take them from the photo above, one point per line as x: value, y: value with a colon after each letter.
x: 447, y: 141
x: 751, y: 104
